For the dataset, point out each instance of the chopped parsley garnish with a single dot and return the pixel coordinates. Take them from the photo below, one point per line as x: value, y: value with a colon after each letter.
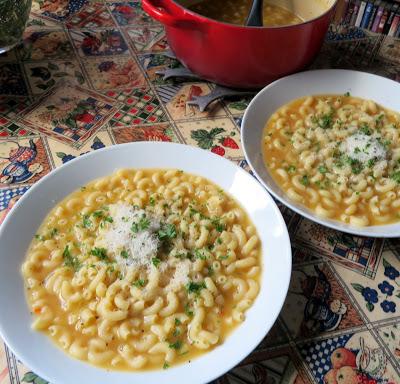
x: 199, y: 254
x: 53, y: 232
x: 142, y: 225
x: 304, y: 180
x: 177, y: 321
x: 139, y: 283
x: 322, y: 169
x: 152, y: 201
x: 219, y: 241
x: 396, y: 177
x: 156, y: 261
x: 166, y: 365
x: 193, y: 212
x: 291, y: 168
x: 218, y: 225
x: 183, y: 255
x: 124, y: 254
x: 167, y: 232
x: 223, y: 257
x: 98, y: 213
x: 100, y: 253
x: 386, y: 143
x: 39, y: 237
x: 356, y: 165
x: 177, y: 345
x: 188, y: 310
x: 365, y: 129
x: 323, y: 184
x: 109, y: 219
x: 323, y: 121
x: 195, y: 288
x: 210, y: 270
x: 176, y: 332
x: 379, y: 120
x: 86, y: 222
x: 371, y: 162
x: 69, y: 260
x: 347, y: 94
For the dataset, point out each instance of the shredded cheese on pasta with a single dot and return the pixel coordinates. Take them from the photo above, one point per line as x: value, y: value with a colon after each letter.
x: 363, y: 148
x: 118, y: 237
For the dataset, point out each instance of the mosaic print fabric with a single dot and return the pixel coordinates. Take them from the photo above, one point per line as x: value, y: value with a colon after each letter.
x: 105, y: 55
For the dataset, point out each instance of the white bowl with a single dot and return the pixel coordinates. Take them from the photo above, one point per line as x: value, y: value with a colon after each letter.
x: 384, y: 91
x: 38, y: 352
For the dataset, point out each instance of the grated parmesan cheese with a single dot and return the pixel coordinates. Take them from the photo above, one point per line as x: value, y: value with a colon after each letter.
x: 180, y: 277
x: 363, y: 148
x: 116, y: 237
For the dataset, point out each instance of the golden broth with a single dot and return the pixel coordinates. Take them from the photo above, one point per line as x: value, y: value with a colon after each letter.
x: 236, y: 12
x: 143, y: 269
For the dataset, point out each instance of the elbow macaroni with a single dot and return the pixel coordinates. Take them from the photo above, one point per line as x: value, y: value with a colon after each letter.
x: 130, y: 317
x: 307, y: 159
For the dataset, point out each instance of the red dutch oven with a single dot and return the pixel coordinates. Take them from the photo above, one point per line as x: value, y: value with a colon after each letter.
x: 238, y: 56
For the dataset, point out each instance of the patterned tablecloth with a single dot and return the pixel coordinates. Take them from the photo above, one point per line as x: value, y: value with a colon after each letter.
x: 343, y: 306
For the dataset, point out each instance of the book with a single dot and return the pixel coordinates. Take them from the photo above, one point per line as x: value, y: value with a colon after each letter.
x: 378, y: 17
x: 355, y: 12
x: 374, y: 9
x: 382, y: 22
x: 360, y: 14
x: 349, y: 12
x: 395, y: 25
x: 373, y: 14
x: 367, y: 15
x: 341, y: 11
x: 390, y: 18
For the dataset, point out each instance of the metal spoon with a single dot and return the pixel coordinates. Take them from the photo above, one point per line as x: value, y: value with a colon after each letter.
x: 255, y: 18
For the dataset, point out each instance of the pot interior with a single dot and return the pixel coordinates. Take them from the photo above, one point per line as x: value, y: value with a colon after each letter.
x: 305, y: 9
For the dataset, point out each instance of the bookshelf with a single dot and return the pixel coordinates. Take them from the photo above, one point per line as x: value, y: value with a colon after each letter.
x: 379, y: 16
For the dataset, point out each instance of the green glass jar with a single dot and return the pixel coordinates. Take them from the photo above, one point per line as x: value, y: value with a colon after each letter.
x: 14, y: 15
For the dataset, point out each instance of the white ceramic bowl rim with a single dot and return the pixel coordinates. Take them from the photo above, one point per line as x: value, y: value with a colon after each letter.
x: 44, y: 358
x: 384, y: 91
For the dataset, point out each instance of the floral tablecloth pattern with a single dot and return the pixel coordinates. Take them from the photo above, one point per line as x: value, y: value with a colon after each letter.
x: 85, y: 78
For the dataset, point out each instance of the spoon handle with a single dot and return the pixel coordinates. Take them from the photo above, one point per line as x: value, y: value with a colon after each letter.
x: 255, y: 18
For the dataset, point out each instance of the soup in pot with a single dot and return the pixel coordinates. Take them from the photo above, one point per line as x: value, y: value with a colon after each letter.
x: 236, y: 12
x: 276, y: 12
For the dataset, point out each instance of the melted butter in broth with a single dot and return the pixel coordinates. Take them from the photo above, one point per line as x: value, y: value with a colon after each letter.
x: 236, y: 12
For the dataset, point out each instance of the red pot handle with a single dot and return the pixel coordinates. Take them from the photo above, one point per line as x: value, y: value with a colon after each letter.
x: 156, y: 9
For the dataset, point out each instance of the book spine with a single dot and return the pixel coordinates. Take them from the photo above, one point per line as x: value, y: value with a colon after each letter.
x: 349, y: 12
x: 394, y: 26
x: 382, y: 21
x: 373, y: 14
x: 389, y: 20
x: 346, y: 6
x: 377, y: 20
x: 367, y: 15
x: 341, y: 11
x: 355, y: 12
x: 360, y: 13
